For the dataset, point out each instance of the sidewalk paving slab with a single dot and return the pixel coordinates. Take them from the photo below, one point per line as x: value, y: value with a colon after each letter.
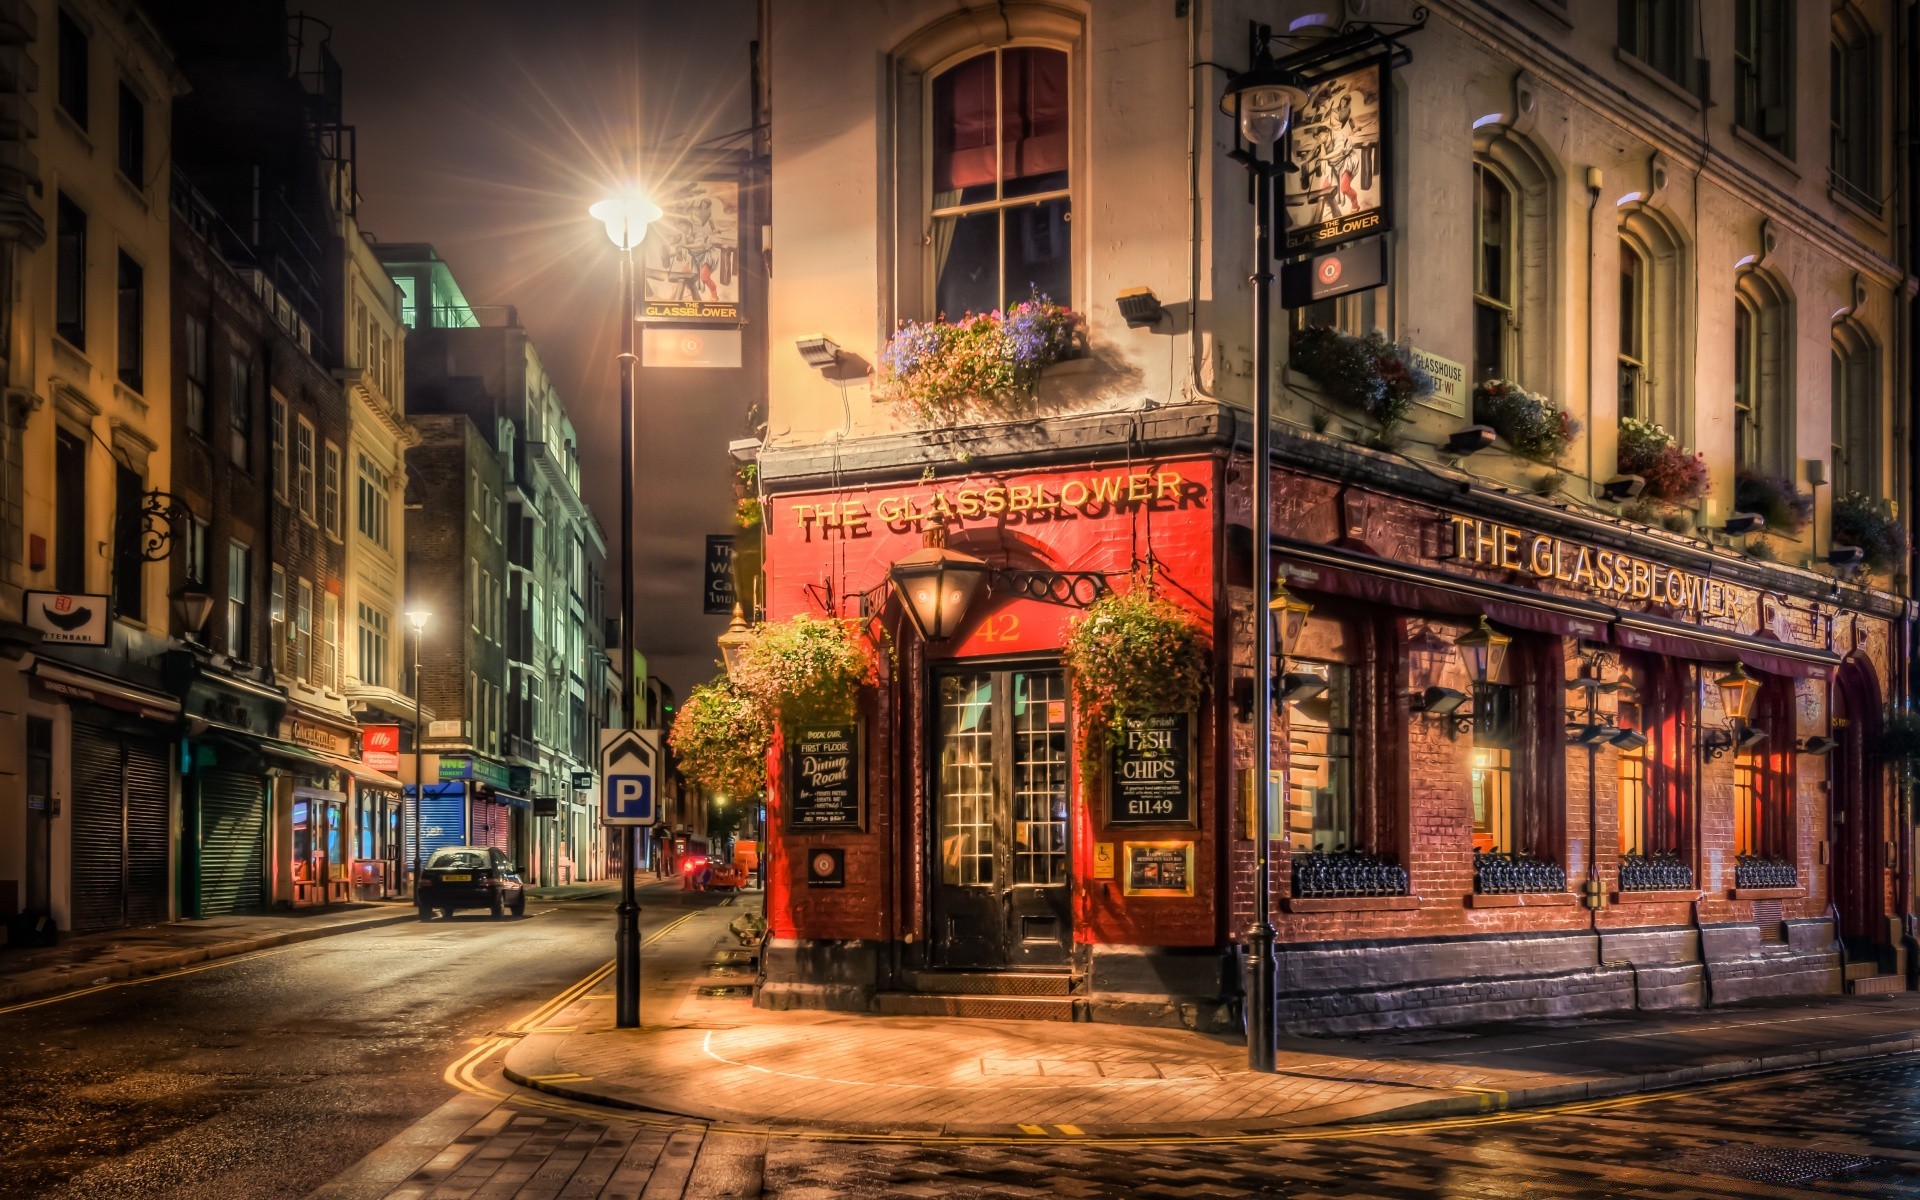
x: 707, y: 1053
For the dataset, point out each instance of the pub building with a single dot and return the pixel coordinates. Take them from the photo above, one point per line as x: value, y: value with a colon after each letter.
x: 1538, y: 749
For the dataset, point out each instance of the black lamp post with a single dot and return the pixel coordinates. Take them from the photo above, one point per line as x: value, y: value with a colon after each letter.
x: 418, y: 618
x: 1261, y: 101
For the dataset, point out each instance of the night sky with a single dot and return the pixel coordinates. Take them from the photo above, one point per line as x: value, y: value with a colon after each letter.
x: 487, y: 127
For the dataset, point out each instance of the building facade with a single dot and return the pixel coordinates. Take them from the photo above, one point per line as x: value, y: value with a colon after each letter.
x: 1659, y: 302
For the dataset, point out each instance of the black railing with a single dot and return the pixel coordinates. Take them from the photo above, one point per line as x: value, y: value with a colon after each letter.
x: 1654, y: 873
x: 1347, y: 873
x: 1516, y: 872
x: 1752, y: 871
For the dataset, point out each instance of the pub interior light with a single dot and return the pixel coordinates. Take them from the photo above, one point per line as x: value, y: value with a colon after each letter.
x: 819, y: 352
x: 1622, y: 487
x: 1470, y: 440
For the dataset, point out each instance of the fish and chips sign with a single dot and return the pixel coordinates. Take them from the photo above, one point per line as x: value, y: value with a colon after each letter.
x: 1605, y: 573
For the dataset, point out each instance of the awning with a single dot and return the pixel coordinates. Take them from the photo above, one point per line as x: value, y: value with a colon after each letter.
x: 1315, y: 568
x: 105, y: 691
x: 1659, y: 636
x: 295, y: 752
x: 511, y: 799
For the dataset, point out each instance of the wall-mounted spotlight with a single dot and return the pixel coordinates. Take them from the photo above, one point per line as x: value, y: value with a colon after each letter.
x: 819, y: 352
x: 1139, y: 307
x: 1846, y: 559
x: 1740, y: 523
x: 1751, y: 738
x: 1591, y: 736
x: 1300, y: 686
x: 1818, y: 744
x: 1439, y: 701
x: 1470, y: 440
x: 1622, y: 487
x: 1629, y: 740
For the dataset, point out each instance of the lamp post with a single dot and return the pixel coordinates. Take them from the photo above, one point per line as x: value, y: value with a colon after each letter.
x: 626, y: 216
x: 418, y: 618
x: 1261, y: 101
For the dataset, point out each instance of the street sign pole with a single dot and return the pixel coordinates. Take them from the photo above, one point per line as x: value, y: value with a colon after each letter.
x: 626, y: 938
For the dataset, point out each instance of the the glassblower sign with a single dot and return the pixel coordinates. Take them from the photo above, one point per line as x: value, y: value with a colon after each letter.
x: 1339, y: 189
x: 1150, y: 778
x: 1480, y: 543
x: 823, y: 772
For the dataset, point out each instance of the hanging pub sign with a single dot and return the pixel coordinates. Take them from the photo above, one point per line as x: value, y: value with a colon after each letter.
x: 692, y: 254
x: 1340, y: 143
x: 1151, y: 777
x: 823, y: 767
x: 1352, y: 268
x: 720, y: 598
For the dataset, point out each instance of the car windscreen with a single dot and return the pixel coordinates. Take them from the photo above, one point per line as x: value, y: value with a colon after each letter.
x: 459, y: 860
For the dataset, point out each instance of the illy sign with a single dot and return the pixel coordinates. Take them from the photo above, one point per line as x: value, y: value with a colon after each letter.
x: 380, y: 747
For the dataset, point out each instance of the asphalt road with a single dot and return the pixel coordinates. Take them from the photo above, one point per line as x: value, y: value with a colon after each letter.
x: 262, y: 1077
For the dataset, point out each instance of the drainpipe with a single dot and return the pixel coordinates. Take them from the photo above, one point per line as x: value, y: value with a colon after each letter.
x: 1198, y: 120
x: 1904, y: 382
x: 1593, y: 314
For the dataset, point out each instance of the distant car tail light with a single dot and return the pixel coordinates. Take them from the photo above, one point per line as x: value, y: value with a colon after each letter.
x: 692, y: 863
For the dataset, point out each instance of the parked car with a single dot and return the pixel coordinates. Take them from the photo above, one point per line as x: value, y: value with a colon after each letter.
x: 470, y: 877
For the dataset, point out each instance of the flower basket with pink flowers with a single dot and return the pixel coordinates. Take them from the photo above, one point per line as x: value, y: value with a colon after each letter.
x: 1131, y: 655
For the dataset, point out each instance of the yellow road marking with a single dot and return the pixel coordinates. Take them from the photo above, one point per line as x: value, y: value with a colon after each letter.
x: 1034, y: 1130
x: 1071, y: 1130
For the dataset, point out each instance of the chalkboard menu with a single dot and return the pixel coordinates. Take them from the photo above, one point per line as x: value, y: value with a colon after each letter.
x: 1159, y: 869
x: 1151, y: 776
x: 823, y: 763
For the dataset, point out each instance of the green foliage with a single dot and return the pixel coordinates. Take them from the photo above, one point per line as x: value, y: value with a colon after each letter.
x: 1373, y: 374
x: 1870, y: 525
x: 1673, y: 474
x: 806, y: 669
x: 945, y: 373
x: 1131, y: 655
x: 1534, y: 426
x: 1783, y: 507
x: 721, y: 737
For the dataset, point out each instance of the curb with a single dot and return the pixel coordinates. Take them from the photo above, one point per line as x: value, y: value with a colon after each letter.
x: 1439, y: 1106
x: 80, y: 980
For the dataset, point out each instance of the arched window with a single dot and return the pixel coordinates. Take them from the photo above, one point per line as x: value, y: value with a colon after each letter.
x: 1652, y: 316
x: 1854, y: 406
x: 1000, y: 212
x: 1493, y: 273
x: 1854, y: 141
x: 1762, y: 409
x: 1513, y: 251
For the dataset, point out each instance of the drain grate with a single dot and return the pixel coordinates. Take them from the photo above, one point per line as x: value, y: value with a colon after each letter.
x: 1768, y: 1164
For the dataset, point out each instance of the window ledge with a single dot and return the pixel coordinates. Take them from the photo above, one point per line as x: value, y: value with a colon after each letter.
x: 1657, y: 79
x: 1652, y: 897
x: 1792, y: 893
x: 1317, y: 904
x: 1846, y: 200
x: 137, y: 193
x: 1520, y: 899
x: 67, y: 121
x: 1779, y: 158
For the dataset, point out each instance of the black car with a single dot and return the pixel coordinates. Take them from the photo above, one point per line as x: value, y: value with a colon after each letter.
x: 471, y: 877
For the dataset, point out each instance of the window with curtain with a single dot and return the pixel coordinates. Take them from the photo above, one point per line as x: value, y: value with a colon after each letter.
x: 1762, y: 425
x: 1634, y: 796
x: 1660, y: 34
x: 1854, y: 110
x: 1495, y: 738
x: 1519, y: 754
x: 1342, y: 743
x: 1762, y: 71
x: 1633, y: 333
x: 1494, y: 218
x: 1656, y: 781
x: 1853, y: 401
x: 1763, y: 779
x: 1001, y: 207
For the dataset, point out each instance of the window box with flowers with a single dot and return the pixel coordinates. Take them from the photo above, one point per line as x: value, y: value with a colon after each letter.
x: 721, y: 737
x: 1870, y: 525
x: 942, y: 373
x: 1674, y: 475
x: 1783, y: 508
x: 1131, y: 655
x: 1533, y: 426
x: 1373, y: 374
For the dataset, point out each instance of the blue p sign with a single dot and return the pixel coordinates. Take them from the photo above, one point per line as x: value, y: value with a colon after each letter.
x: 629, y: 799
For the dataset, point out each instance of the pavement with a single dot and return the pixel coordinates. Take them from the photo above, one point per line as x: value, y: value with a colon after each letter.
x: 706, y: 1053
x: 97, y: 959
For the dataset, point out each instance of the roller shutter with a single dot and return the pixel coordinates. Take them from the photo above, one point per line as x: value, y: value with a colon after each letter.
x: 491, y: 825
x: 120, y: 829
x: 233, y: 832
x: 443, y: 812
x: 148, y: 876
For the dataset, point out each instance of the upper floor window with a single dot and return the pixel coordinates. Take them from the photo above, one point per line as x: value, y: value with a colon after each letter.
x: 70, y: 271
x: 1001, y: 209
x: 1762, y: 425
x: 1493, y: 285
x: 373, y: 506
x: 72, y: 82
x: 1854, y: 405
x: 303, y: 467
x: 133, y: 136
x: 1660, y: 34
x: 1854, y: 146
x: 1762, y: 69
x: 132, y: 322
x: 194, y: 352
x: 1651, y: 308
x: 240, y: 411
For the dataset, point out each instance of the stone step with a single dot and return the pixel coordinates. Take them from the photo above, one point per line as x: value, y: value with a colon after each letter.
x: 1876, y: 985
x: 1862, y: 968
x: 994, y: 983
x: 995, y: 1008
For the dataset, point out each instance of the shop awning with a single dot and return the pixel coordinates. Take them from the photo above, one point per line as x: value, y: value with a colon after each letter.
x: 508, y: 798
x: 1633, y: 631
x: 1396, y: 585
x: 107, y: 692
x: 295, y: 752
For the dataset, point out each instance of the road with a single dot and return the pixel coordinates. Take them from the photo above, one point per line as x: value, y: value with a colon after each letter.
x: 262, y: 1077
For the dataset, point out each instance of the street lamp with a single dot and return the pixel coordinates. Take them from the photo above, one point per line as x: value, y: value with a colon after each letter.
x: 626, y: 215
x: 734, y: 642
x: 1261, y: 101
x: 418, y: 618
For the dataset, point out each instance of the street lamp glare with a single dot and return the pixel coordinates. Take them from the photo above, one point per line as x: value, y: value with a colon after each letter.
x: 418, y: 618
x: 626, y: 215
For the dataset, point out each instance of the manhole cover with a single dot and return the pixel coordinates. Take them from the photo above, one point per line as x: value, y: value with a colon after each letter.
x: 1768, y: 1164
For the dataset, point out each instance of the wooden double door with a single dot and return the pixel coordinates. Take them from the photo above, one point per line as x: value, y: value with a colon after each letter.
x: 1000, y: 822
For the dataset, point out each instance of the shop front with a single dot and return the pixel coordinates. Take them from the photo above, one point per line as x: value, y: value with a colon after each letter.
x: 1529, y: 762
x: 225, y: 787
x: 473, y: 804
x: 320, y: 788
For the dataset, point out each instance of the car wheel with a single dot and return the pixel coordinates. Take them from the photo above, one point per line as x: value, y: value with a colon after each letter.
x: 426, y: 914
x: 447, y: 913
x: 498, y: 907
x: 520, y: 906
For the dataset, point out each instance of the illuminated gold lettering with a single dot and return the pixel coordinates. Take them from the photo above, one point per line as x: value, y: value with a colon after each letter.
x: 996, y: 500
x: 1460, y: 528
x: 856, y: 517
x: 887, y: 510
x: 1166, y: 485
x: 1486, y: 543
x: 1540, y: 556
x: 1106, y: 489
x: 1019, y: 498
x: 1509, y: 548
x: 1073, y: 494
x: 804, y: 514
x: 968, y: 502
x: 1138, y: 486
x: 1642, y: 580
x: 1583, y: 569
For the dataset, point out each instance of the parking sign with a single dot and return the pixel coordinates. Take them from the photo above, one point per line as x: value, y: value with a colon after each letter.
x: 629, y: 768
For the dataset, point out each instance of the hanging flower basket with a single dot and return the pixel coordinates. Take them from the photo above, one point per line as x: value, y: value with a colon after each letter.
x: 721, y: 737
x: 806, y: 669
x: 1870, y: 525
x: 1673, y: 474
x: 1373, y: 374
x: 1533, y: 425
x: 944, y: 373
x: 1784, y: 508
x: 1131, y: 655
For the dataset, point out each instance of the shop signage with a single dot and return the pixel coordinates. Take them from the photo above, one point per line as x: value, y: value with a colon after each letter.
x: 1158, y: 868
x: 480, y: 770
x: 1450, y: 391
x: 826, y: 867
x: 316, y: 737
x: 68, y: 618
x: 1354, y: 268
x: 1339, y: 189
x: 692, y: 254
x: 380, y: 747
x: 824, y: 770
x: 446, y: 729
x: 1605, y: 572
x: 582, y: 780
x: 546, y: 806
x: 719, y: 590
x: 1090, y: 495
x: 1150, y: 780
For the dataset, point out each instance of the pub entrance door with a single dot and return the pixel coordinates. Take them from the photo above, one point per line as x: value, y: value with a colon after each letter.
x: 1859, y: 812
x: 1003, y: 768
